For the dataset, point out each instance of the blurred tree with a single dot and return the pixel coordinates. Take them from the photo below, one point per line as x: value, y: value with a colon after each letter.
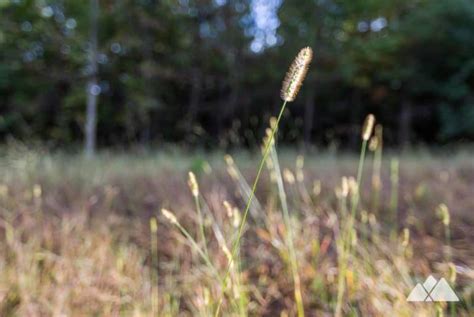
x: 439, y: 53
x: 93, y: 88
x: 207, y: 72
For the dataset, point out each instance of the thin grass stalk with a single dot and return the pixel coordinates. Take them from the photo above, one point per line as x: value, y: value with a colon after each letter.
x: 376, y: 169
x: 193, y: 185
x: 366, y: 133
x: 235, y: 269
x: 300, y: 180
x: 242, y: 300
x: 154, y: 266
x: 289, y: 238
x: 201, y: 224
x: 198, y: 249
x: 290, y: 87
x: 342, y: 193
x: 249, y: 202
x: 447, y: 235
x: 342, y: 259
x: 443, y: 213
x: 394, y: 180
x: 359, y: 179
x: 193, y: 243
x: 346, y: 235
x: 245, y: 189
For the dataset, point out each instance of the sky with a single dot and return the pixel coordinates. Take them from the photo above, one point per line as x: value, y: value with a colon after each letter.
x: 265, y: 16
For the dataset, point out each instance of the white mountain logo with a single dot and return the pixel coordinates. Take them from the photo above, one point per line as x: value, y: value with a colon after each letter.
x: 433, y: 291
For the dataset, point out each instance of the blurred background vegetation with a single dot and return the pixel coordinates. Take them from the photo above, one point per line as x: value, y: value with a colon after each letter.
x: 207, y: 73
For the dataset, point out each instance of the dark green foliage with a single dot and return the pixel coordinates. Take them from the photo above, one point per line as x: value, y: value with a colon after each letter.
x: 183, y: 71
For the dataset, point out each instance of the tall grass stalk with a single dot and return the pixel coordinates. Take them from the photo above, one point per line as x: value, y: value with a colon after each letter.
x: 249, y: 202
x: 300, y: 180
x: 377, y: 148
x: 245, y: 189
x: 366, y: 133
x: 289, y: 237
x: 154, y: 266
x: 443, y: 213
x: 242, y: 294
x: 347, y: 234
x: 359, y: 179
x: 193, y: 185
x: 172, y: 218
x: 290, y: 88
x: 394, y: 180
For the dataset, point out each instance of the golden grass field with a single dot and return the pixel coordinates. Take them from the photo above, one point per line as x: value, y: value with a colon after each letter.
x: 85, y: 237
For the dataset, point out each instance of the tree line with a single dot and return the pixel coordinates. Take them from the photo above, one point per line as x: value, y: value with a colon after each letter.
x: 207, y: 73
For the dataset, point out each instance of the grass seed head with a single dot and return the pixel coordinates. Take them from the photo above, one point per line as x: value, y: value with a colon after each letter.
x: 373, y: 143
x: 345, y: 186
x: 353, y: 186
x: 231, y: 168
x: 228, y: 159
x: 233, y: 213
x: 368, y: 127
x: 267, y: 138
x: 37, y: 191
x: 288, y: 176
x: 273, y: 123
x: 228, y: 208
x: 170, y: 216
x: 443, y: 213
x: 317, y: 187
x: 299, y: 168
x: 228, y: 255
x: 236, y: 219
x: 193, y: 184
x: 153, y: 225
x: 296, y: 74
x: 405, y: 237
x: 354, y: 238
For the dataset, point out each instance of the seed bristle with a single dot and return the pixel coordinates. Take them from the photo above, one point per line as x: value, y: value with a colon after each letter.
x: 368, y: 127
x: 169, y: 215
x: 296, y: 74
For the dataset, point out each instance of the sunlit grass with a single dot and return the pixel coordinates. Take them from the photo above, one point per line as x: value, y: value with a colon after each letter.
x: 77, y: 248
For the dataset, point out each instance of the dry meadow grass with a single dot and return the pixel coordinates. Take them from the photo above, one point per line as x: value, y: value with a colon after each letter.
x: 76, y: 240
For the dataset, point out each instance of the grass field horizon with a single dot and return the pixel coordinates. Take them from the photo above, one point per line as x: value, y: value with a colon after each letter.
x: 76, y: 235
x: 236, y: 158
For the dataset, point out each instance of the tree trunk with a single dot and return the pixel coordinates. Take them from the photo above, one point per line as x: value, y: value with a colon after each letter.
x: 309, y: 115
x: 144, y: 110
x: 194, y: 97
x: 354, y: 131
x: 405, y: 123
x: 92, y: 86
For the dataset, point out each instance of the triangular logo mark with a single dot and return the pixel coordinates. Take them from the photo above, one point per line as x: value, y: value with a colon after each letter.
x: 418, y: 294
x: 432, y: 290
x: 429, y: 283
x: 443, y: 292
